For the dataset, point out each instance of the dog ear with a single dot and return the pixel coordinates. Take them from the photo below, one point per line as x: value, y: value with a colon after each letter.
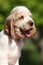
x: 8, y: 28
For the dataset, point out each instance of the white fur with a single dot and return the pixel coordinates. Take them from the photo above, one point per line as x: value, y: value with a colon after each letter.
x: 9, y: 49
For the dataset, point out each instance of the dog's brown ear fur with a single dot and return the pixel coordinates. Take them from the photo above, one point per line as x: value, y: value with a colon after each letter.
x: 8, y: 28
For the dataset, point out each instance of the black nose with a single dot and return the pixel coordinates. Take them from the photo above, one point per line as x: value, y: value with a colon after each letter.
x: 31, y: 23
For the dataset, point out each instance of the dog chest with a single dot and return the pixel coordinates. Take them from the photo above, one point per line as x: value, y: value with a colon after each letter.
x: 14, y: 53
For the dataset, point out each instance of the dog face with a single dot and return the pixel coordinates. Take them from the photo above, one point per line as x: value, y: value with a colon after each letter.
x: 20, y: 23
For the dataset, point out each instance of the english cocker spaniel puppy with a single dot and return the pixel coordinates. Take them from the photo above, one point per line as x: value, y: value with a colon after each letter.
x: 19, y: 25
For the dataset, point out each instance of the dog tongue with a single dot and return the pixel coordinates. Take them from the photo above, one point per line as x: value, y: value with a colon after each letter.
x: 27, y: 34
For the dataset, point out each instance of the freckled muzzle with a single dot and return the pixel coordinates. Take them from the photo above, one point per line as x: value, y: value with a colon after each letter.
x: 26, y: 33
x: 26, y: 30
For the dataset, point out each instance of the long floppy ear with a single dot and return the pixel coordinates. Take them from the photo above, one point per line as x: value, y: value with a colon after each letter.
x: 8, y: 28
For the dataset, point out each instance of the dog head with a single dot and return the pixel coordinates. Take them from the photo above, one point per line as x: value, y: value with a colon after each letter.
x: 20, y: 24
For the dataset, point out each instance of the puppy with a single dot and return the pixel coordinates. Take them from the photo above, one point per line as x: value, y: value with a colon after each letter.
x: 19, y: 25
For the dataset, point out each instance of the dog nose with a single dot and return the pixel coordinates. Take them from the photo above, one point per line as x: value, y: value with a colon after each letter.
x: 31, y: 23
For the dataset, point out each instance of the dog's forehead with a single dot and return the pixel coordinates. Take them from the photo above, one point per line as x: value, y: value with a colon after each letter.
x: 21, y: 9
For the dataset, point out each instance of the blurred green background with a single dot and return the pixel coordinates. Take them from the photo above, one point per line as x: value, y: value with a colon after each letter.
x: 32, y: 53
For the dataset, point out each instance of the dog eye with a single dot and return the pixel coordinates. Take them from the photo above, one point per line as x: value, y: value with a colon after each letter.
x: 22, y: 17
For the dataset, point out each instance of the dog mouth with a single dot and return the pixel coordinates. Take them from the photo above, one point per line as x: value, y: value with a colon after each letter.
x: 26, y: 33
